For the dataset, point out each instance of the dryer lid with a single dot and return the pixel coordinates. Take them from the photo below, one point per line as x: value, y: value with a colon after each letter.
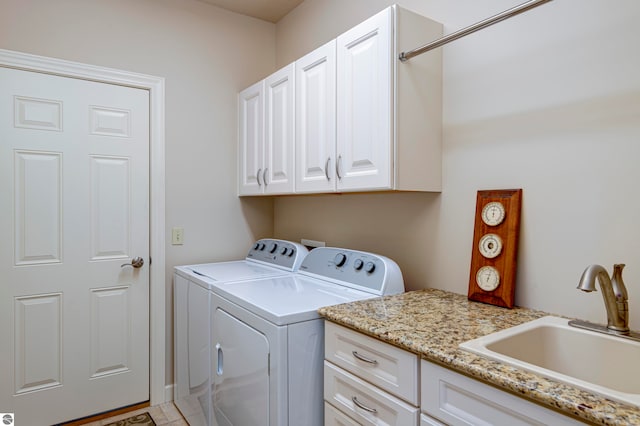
x: 288, y: 299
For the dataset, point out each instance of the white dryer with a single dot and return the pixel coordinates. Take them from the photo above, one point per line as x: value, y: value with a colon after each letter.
x: 193, y: 286
x: 268, y: 338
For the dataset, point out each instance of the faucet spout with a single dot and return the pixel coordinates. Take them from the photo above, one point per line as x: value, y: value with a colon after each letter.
x: 614, y: 294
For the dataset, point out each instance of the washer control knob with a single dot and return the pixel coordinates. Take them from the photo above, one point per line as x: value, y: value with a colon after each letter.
x: 358, y: 264
x: 273, y: 247
x: 283, y: 251
x: 262, y: 246
x: 257, y: 246
x: 291, y: 251
x: 340, y: 259
x: 370, y: 267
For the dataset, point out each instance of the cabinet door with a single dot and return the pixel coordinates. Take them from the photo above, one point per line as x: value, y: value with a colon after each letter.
x: 316, y: 120
x: 278, y: 135
x: 461, y: 401
x: 364, y: 105
x: 251, y: 140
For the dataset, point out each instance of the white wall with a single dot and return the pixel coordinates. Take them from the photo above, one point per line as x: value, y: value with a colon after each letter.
x: 548, y: 101
x: 206, y: 55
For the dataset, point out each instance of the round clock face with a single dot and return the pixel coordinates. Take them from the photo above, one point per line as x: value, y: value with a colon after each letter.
x: 493, y: 213
x: 488, y: 278
x: 490, y: 246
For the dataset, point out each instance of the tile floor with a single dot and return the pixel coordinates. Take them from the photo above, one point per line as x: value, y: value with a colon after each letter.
x: 164, y: 415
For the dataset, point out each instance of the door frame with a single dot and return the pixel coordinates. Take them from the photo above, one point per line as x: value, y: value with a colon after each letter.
x: 157, y: 286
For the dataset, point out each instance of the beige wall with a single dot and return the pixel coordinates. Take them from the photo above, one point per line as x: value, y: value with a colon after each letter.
x: 544, y: 102
x: 206, y: 56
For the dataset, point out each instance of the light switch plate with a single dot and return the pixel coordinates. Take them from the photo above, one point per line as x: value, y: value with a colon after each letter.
x: 177, y: 236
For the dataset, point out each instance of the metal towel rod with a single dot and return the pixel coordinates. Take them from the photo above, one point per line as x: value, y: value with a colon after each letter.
x: 405, y: 56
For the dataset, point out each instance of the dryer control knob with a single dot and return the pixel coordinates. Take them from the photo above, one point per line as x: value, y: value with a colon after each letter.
x: 257, y: 246
x: 273, y: 248
x: 370, y: 267
x: 358, y: 264
x: 262, y: 246
x: 340, y: 259
x: 283, y: 251
x: 291, y: 251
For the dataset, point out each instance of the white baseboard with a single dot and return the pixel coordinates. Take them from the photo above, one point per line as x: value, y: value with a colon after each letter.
x: 168, y: 393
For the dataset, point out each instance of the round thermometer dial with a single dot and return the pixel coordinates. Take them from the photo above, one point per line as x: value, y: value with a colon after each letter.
x: 490, y: 246
x: 488, y: 278
x: 493, y: 213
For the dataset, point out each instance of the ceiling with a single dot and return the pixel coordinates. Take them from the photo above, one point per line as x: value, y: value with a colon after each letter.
x: 268, y: 10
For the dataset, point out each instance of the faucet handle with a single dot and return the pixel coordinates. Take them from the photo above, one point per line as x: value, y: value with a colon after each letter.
x: 617, y: 283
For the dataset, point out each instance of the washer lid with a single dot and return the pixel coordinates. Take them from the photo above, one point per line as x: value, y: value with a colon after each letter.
x: 239, y: 270
x: 288, y: 299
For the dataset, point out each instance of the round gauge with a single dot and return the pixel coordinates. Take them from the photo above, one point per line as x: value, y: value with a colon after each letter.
x: 490, y: 246
x: 488, y: 278
x: 493, y: 213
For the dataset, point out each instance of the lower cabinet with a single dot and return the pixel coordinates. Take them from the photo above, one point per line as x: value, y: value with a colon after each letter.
x: 369, y: 382
x: 460, y: 400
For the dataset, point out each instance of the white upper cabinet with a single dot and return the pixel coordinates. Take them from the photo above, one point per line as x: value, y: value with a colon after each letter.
x: 251, y: 139
x: 266, y: 135
x: 316, y: 120
x: 389, y: 114
x: 279, y: 132
x: 365, y: 105
x: 364, y: 121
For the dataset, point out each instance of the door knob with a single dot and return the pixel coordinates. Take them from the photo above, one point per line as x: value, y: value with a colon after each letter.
x: 136, y: 262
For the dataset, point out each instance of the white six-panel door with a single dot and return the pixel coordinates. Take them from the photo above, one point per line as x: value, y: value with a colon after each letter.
x: 74, y: 207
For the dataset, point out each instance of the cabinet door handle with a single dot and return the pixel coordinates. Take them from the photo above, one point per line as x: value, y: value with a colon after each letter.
x: 339, y: 166
x: 258, y: 176
x: 264, y: 176
x: 364, y: 358
x: 361, y: 405
x: 326, y: 168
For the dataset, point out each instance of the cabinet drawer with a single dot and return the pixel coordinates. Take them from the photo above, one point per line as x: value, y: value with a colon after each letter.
x: 386, y: 366
x: 461, y: 401
x: 429, y: 421
x: 364, y: 402
x: 335, y: 417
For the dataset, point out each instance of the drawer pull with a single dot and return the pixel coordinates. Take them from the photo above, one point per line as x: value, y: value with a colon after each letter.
x: 361, y: 405
x: 364, y: 358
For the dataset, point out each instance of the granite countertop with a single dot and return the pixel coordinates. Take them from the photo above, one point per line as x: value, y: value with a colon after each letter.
x: 432, y: 323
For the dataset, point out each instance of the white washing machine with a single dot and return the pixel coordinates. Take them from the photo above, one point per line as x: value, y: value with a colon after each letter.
x: 193, y: 286
x: 268, y: 338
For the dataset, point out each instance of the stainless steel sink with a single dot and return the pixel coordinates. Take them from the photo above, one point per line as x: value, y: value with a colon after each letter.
x: 599, y: 363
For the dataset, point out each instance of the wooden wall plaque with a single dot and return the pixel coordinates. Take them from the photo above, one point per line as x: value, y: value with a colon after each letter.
x: 495, y: 247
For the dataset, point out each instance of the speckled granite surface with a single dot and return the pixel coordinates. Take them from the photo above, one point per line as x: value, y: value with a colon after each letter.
x: 433, y: 322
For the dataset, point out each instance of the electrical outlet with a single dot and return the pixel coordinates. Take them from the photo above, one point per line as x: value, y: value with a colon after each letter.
x: 177, y: 236
x: 312, y: 243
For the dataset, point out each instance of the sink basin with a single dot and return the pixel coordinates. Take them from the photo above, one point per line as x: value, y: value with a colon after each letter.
x: 599, y: 363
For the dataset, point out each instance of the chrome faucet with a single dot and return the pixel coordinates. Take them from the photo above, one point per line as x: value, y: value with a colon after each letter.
x: 614, y: 294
